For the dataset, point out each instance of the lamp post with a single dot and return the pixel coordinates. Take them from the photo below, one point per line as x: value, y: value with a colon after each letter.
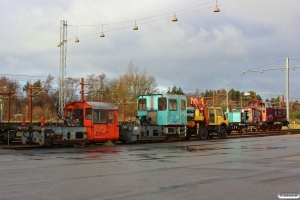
x: 279, y: 99
x: 227, y: 110
x: 287, y: 67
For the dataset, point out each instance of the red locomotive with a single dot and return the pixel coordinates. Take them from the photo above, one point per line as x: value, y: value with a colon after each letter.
x: 83, y: 122
x: 265, y: 116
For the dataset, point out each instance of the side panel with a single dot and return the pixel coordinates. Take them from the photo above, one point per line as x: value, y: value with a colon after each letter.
x: 236, y: 116
x: 280, y: 114
x: 162, y: 117
x: 88, y: 122
x: 71, y: 133
x: 100, y: 132
x: 112, y: 125
x: 56, y: 135
x: 183, y: 112
x: 109, y: 130
x: 176, y: 115
x: 269, y: 115
x: 256, y: 115
x: 230, y: 117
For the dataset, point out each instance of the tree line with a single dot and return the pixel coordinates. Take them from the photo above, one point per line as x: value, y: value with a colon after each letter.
x: 236, y: 99
x: 121, y: 91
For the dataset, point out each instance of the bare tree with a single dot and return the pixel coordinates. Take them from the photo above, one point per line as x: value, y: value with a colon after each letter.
x: 72, y: 89
x: 47, y: 84
x: 139, y: 81
x: 97, y: 85
x: 125, y: 90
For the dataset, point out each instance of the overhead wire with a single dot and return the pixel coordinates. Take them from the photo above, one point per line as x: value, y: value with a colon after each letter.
x: 129, y: 21
x: 265, y: 65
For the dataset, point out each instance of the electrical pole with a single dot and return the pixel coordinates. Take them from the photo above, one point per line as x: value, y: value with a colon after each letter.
x: 8, y: 93
x: 30, y: 103
x: 287, y: 91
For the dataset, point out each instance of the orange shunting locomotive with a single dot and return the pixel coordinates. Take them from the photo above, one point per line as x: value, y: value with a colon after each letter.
x: 82, y: 122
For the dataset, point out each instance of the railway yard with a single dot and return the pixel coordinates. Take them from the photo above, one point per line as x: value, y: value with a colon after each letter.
x: 188, y: 119
x: 244, y: 166
x: 174, y: 152
x: 17, y: 144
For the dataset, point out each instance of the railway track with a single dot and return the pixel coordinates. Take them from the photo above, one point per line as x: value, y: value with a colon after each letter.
x: 263, y: 134
x: 17, y: 144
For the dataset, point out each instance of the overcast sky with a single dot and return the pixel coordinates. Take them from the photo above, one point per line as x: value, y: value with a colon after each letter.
x: 203, y: 50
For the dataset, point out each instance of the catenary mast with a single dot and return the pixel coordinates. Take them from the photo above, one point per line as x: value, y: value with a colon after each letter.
x: 62, y: 66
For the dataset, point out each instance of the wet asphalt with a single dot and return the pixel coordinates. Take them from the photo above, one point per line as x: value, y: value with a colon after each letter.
x: 242, y: 168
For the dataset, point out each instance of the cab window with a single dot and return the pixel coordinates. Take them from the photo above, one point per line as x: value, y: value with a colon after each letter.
x: 99, y: 116
x: 78, y: 114
x: 111, y: 117
x: 88, y: 113
x: 183, y: 105
x: 172, y: 104
x: 142, y: 104
x: 211, y: 115
x: 219, y: 112
x: 162, y: 103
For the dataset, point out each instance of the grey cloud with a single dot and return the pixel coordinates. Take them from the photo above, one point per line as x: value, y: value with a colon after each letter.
x: 203, y: 50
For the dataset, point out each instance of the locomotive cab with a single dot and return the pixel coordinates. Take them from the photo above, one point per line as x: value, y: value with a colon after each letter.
x: 160, y: 116
x: 163, y: 109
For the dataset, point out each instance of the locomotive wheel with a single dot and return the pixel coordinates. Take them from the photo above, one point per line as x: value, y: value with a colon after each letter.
x: 274, y: 128
x: 203, y: 133
x: 197, y: 129
x: 222, y: 132
x: 188, y: 135
x: 228, y: 131
x: 257, y: 129
x: 269, y: 128
x: 123, y: 141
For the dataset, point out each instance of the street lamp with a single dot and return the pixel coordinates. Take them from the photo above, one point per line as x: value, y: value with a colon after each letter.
x: 227, y: 110
x: 287, y: 83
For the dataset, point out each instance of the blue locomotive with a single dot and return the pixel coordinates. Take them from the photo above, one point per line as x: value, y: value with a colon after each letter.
x: 160, y: 116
